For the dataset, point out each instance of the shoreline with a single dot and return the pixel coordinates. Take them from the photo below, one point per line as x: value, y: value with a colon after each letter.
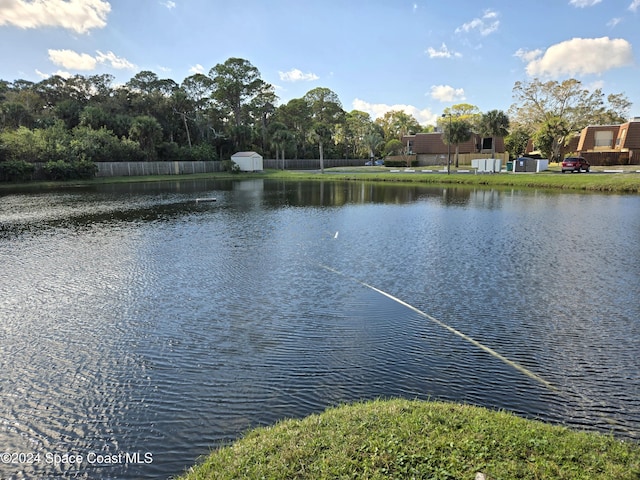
x: 419, y: 439
x: 596, y: 181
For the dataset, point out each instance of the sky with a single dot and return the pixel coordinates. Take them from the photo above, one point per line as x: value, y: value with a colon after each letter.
x: 418, y: 56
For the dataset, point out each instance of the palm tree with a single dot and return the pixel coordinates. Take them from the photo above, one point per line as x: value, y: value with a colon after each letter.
x: 281, y: 138
x: 272, y: 130
x: 320, y: 134
x: 373, y: 140
x: 494, y: 123
x: 456, y: 132
x: 147, y: 131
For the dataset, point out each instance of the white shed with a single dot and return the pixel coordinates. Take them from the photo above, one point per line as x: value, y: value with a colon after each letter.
x: 248, y: 161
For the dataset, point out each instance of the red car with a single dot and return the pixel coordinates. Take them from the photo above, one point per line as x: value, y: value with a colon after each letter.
x: 575, y: 164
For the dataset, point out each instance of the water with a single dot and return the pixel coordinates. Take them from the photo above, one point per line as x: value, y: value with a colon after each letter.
x: 139, y: 330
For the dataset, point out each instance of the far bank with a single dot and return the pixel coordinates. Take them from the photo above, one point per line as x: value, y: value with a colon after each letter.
x: 622, y: 181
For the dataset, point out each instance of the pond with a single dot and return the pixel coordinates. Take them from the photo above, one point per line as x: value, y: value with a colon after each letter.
x: 140, y: 329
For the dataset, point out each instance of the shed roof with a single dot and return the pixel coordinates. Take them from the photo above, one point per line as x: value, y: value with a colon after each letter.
x: 246, y: 154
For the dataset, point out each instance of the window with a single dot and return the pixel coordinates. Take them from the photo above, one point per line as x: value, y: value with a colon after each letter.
x: 620, y: 139
x: 604, y: 138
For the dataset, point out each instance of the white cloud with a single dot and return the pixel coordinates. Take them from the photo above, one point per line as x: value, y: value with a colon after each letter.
x: 197, y: 68
x: 613, y: 22
x: 59, y: 73
x: 582, y: 56
x: 444, y: 52
x: 486, y: 25
x: 584, y: 3
x: 72, y: 60
x: 446, y: 93
x: 115, y: 61
x: 83, y: 61
x: 62, y: 73
x: 634, y: 5
x: 527, y: 55
x: 77, y: 15
x: 296, y: 75
x: 595, y: 85
x: 376, y: 110
x: 169, y: 4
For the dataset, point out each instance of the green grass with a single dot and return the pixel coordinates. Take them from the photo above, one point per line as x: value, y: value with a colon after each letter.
x: 415, y: 439
x: 594, y: 182
x: 552, y: 179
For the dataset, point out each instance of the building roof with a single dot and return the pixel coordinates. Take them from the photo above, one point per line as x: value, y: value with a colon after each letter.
x: 428, y: 143
x: 432, y: 143
x: 625, y: 136
x: 631, y: 138
x: 246, y: 154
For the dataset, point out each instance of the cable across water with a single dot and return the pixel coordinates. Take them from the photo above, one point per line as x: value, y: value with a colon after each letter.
x: 483, y: 347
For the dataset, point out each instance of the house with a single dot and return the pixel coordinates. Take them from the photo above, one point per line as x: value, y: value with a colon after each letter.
x: 248, y: 161
x: 430, y: 149
x: 611, y: 144
x: 605, y: 144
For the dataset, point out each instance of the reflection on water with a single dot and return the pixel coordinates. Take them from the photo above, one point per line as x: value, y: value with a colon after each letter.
x: 137, y: 323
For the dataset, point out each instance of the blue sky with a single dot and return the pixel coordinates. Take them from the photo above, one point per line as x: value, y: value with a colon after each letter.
x: 420, y: 56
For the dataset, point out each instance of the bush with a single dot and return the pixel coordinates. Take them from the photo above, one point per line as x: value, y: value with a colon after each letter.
x: 61, y: 170
x: 103, y: 146
x: 393, y: 147
x: 128, y: 151
x: 230, y: 166
x: 85, y: 169
x: 23, y: 144
x: 399, y: 163
x: 96, y: 145
x: 57, y: 170
x: 16, y: 171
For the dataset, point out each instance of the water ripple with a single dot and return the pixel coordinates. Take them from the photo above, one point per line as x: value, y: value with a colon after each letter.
x: 141, y: 322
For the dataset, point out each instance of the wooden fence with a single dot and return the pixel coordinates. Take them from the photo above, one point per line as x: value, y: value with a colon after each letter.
x: 126, y: 169
x: 609, y: 158
x: 135, y: 169
x: 312, y: 164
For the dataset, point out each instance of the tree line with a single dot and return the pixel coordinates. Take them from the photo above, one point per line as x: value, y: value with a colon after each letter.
x: 71, y: 123
x: 546, y: 113
x: 205, y: 117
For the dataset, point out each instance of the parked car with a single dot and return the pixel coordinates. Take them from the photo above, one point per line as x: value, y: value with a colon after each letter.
x: 377, y: 163
x: 575, y: 164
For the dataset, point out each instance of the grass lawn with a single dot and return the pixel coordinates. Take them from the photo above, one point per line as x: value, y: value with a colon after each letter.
x: 597, y: 181
x: 405, y: 439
